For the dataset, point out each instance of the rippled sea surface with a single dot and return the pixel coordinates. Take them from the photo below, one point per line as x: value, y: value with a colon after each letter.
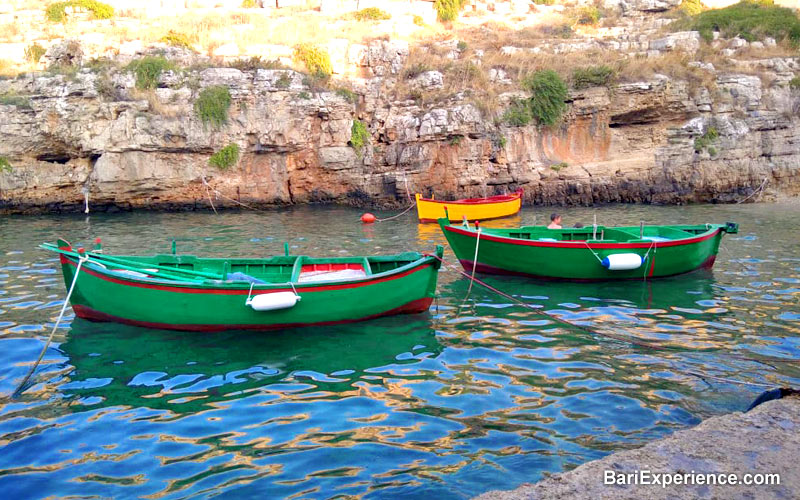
x: 477, y: 395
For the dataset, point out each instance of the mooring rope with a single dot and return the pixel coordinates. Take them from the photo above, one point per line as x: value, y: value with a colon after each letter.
x: 474, y: 266
x: 81, y: 260
x: 763, y: 183
x: 411, y: 200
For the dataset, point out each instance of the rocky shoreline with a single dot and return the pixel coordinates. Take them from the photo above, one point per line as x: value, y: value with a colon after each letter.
x: 713, y: 134
x: 762, y: 441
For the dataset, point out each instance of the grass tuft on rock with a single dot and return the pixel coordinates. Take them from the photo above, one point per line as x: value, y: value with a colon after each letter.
x: 794, y: 83
x: 371, y: 14
x: 57, y: 12
x: 316, y: 60
x: 748, y: 19
x: 148, y: 70
x: 5, y: 165
x: 359, y: 137
x: 225, y: 158
x: 177, y: 39
x: 212, y: 105
x: 447, y: 10
x: 705, y: 140
x: 34, y: 52
x: 692, y: 7
x: 592, y: 76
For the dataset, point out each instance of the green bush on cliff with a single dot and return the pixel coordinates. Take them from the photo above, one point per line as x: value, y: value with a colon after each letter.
x: 794, y: 83
x: 34, y: 52
x: 592, y: 76
x: 177, y: 39
x: 447, y: 10
x: 371, y: 14
x: 316, y: 60
x: 225, y: 158
x: 5, y: 165
x: 518, y: 114
x: 11, y: 98
x: 148, y: 70
x: 57, y: 12
x: 544, y: 2
x: 588, y: 15
x: 748, y: 19
x: 548, y: 93
x: 692, y: 7
x: 212, y: 105
x: 704, y: 141
x: 359, y: 137
x: 249, y: 4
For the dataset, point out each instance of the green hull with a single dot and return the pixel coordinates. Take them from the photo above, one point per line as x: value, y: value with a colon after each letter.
x: 573, y: 254
x: 397, y: 284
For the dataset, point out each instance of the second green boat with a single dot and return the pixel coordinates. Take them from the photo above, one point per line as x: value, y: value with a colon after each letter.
x: 589, y: 253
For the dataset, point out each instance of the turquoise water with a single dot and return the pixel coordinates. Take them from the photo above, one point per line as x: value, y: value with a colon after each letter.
x: 474, y: 396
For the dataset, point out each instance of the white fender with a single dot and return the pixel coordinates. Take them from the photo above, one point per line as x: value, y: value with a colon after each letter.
x: 622, y: 261
x: 273, y: 301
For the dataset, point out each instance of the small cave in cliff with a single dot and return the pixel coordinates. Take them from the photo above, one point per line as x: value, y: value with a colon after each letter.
x: 61, y: 158
x: 636, y: 117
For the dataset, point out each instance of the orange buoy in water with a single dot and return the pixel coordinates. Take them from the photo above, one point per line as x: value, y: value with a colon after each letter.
x: 368, y: 218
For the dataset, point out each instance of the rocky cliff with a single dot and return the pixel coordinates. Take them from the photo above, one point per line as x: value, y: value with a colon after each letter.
x: 90, y: 135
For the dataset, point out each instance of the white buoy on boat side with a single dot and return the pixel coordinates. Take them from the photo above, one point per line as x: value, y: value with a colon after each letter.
x: 273, y: 301
x: 622, y: 261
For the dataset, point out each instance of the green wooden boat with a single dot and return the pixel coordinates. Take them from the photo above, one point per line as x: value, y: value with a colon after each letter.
x: 589, y: 253
x: 184, y: 292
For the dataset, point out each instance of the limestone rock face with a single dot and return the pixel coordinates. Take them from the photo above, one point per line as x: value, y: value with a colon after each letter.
x: 96, y: 135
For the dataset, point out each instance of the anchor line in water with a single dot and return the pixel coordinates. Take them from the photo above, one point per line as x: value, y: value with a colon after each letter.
x: 408, y: 195
x: 590, y: 331
x: 81, y: 260
x: 761, y: 187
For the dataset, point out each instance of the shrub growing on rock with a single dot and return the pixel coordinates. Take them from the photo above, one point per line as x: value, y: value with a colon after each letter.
x: 57, y: 12
x: 748, y: 19
x: 316, y: 60
x: 34, y: 52
x: 518, y: 114
x: 592, y: 76
x: 794, y: 83
x: 549, y: 92
x: 177, y: 39
x: 359, y: 137
x: 5, y: 165
x: 371, y: 14
x: 588, y: 15
x: 704, y: 141
x: 225, y: 157
x: 447, y: 10
x: 148, y: 70
x: 692, y: 7
x: 212, y: 105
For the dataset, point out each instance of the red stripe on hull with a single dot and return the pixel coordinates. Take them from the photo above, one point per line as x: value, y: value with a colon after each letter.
x: 243, y: 291
x: 485, y: 269
x: 415, y: 306
x: 428, y: 221
x: 579, y: 244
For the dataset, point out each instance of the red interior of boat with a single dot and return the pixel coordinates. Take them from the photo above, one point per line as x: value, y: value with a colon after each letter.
x: 478, y: 201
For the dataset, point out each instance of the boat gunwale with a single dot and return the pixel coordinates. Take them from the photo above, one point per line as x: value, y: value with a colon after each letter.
x: 243, y: 288
x: 489, y: 200
x: 712, y: 231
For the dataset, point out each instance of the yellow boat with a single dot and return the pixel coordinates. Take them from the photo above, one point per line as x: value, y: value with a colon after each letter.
x: 493, y: 207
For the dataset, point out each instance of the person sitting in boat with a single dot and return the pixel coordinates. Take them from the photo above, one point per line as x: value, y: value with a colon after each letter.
x: 578, y: 225
x: 555, y: 221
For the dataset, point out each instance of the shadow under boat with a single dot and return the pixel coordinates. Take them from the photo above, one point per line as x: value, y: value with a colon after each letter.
x: 186, y: 372
x: 684, y: 292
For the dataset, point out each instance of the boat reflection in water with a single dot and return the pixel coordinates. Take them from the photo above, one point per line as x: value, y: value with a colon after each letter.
x: 187, y: 372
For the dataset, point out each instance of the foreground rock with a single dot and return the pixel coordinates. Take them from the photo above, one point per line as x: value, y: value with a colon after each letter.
x: 765, y: 440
